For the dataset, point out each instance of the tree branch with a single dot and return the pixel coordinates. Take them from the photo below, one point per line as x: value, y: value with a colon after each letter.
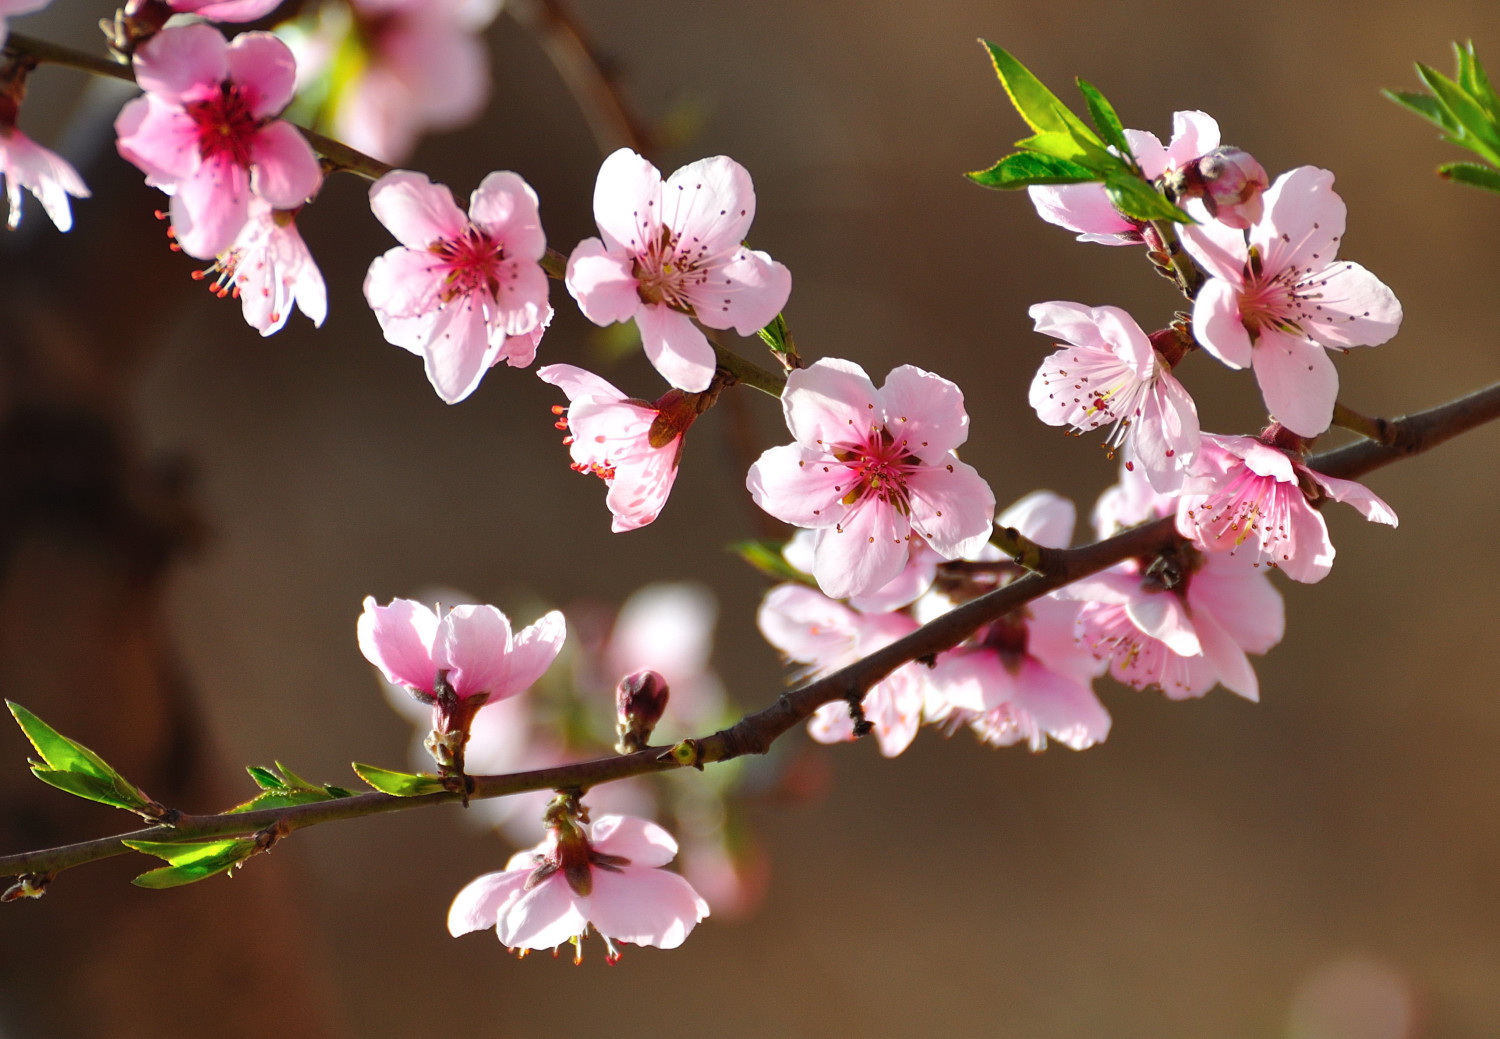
x: 755, y: 733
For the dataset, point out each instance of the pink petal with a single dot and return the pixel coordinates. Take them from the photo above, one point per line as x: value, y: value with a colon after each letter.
x: 472, y: 644
x: 210, y: 207
x: 1042, y: 516
x: 831, y: 402
x: 798, y: 485
x: 864, y: 551
x: 603, y: 283
x: 1194, y: 135
x: 578, y: 384
x: 404, y: 283
x: 676, y: 347
x: 45, y: 174
x: 1217, y: 324
x: 952, y: 507
x: 645, y: 906
x: 1126, y: 340
x: 159, y: 138
x: 264, y: 70
x: 639, y: 490
x: 1162, y: 616
x: 1219, y: 249
x: 753, y: 290
x: 478, y: 905
x: 1302, y: 223
x: 1164, y: 438
x: 831, y: 724
x: 227, y: 10
x: 1235, y: 672
x: 925, y: 412
x: 1065, y: 709
x: 534, y: 649
x: 415, y: 210
x: 398, y: 639
x: 710, y: 203
x: 544, y: 917
x: 519, y: 304
x: 1366, y: 501
x: 1070, y: 322
x: 182, y: 63
x: 1306, y: 554
x: 1297, y: 380
x: 806, y: 626
x: 627, y: 195
x: 505, y: 206
x: 458, y: 350
x: 1086, y: 210
x: 1352, y: 308
x: 1242, y: 601
x: 285, y: 171
x: 1149, y: 154
x: 894, y: 707
x: 643, y: 843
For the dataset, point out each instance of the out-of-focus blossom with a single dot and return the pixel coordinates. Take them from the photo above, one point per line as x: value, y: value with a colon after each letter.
x: 269, y: 270
x: 1276, y: 301
x: 671, y: 252
x: 206, y: 131
x: 606, y: 875
x: 44, y: 173
x: 10, y: 7
x: 870, y: 468
x: 462, y: 292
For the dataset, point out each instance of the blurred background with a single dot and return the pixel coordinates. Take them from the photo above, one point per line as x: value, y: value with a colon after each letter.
x: 192, y: 515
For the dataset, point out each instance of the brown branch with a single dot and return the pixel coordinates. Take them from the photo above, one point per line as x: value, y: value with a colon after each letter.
x: 755, y: 733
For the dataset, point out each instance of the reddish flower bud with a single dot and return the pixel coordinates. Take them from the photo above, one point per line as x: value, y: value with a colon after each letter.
x: 1230, y: 183
x: 640, y: 700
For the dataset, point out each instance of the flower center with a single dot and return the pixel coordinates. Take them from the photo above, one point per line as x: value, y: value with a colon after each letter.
x: 225, y: 126
x: 879, y: 467
x: 665, y: 273
x: 471, y: 263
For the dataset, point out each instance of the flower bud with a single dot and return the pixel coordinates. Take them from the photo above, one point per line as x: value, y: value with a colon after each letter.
x: 640, y: 700
x: 1230, y: 183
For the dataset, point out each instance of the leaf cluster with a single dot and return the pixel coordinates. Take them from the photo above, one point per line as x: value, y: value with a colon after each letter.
x: 1467, y: 110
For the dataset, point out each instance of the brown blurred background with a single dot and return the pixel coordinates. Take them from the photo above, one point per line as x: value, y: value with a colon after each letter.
x: 192, y: 515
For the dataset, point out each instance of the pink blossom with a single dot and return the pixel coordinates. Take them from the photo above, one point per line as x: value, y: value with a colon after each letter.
x: 869, y: 469
x: 226, y: 10
x: 1246, y: 493
x: 206, y: 132
x: 393, y: 70
x: 1182, y: 625
x: 1112, y: 375
x: 606, y: 875
x: 671, y: 252
x: 1229, y: 182
x: 1086, y: 209
x: 269, y: 270
x: 461, y: 292
x: 801, y: 552
x: 634, y: 447
x: 47, y: 175
x: 1275, y: 302
x: 1130, y: 502
x: 812, y: 629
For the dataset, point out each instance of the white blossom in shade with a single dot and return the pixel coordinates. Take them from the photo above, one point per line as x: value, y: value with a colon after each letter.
x: 1248, y: 496
x: 812, y: 629
x: 1279, y: 301
x: 606, y: 875
x: 672, y: 251
x: 463, y: 292
x: 871, y: 468
x: 270, y: 270
x: 1110, y: 375
x: 48, y: 176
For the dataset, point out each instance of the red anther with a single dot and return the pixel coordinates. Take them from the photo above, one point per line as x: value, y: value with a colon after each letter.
x: 558, y: 409
x: 160, y: 214
x: 198, y: 275
x: 567, y: 441
x: 560, y: 424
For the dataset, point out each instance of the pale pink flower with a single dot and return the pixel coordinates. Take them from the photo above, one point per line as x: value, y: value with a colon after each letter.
x: 606, y: 875
x: 1086, y: 209
x: 47, y: 175
x: 462, y: 292
x: 869, y: 469
x: 1111, y: 375
x: 1182, y: 626
x: 10, y: 7
x: 801, y: 552
x: 671, y: 252
x: 393, y: 70
x: 206, y: 131
x: 226, y: 10
x: 812, y: 629
x: 1275, y: 302
x: 1247, y: 494
x: 634, y: 447
x: 269, y: 270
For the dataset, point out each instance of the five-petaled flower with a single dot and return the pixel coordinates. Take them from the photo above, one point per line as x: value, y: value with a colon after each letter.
x: 206, y: 131
x: 606, y: 875
x: 463, y: 292
x: 671, y: 252
x: 1275, y: 302
x: 269, y: 270
x: 870, y: 468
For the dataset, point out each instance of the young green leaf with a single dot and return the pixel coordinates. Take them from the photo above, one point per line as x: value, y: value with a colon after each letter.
x: 1475, y: 129
x: 70, y: 766
x: 398, y: 784
x: 1472, y: 174
x: 775, y: 335
x: 1471, y: 76
x: 765, y: 556
x: 1041, y: 108
x: 1069, y: 149
x: 1021, y: 169
x: 1140, y: 201
x: 265, y: 778
x: 1104, y: 116
x: 1426, y: 106
x: 191, y: 862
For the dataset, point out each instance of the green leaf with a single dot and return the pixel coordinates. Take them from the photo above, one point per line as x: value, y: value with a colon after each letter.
x: 1426, y: 106
x: 765, y: 555
x: 398, y: 784
x: 775, y: 335
x: 1041, y: 108
x: 1106, y: 121
x: 265, y: 778
x: 1471, y: 76
x: 1024, y: 168
x: 295, y: 781
x: 1140, y: 201
x: 1472, y: 174
x: 1475, y: 129
x: 1070, y: 149
x: 69, y: 765
x: 191, y: 861
x: 284, y: 799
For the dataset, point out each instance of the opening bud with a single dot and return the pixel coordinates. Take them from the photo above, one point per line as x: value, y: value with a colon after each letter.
x: 1229, y: 181
x: 640, y: 700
